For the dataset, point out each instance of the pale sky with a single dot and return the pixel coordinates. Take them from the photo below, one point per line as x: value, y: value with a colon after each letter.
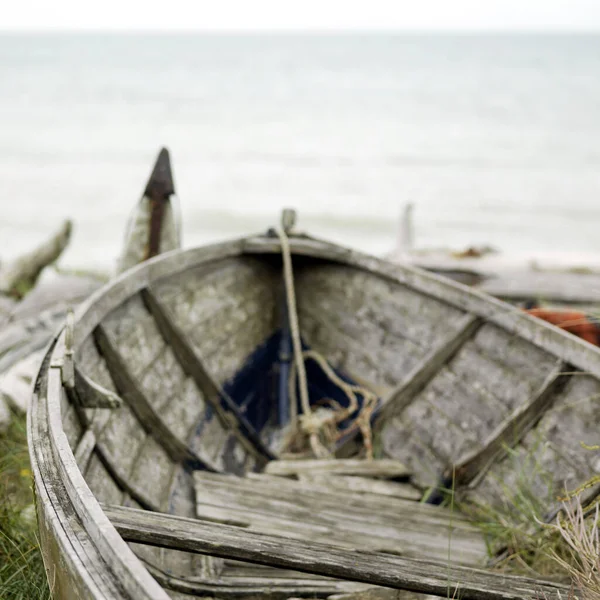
x: 569, y: 15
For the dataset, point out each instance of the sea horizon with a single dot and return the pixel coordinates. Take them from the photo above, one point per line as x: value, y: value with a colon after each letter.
x: 493, y: 137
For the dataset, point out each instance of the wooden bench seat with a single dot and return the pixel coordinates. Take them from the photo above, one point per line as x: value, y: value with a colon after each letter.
x: 313, y: 511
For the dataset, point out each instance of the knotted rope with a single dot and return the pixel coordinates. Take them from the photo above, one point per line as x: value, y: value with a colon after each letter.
x: 320, y: 426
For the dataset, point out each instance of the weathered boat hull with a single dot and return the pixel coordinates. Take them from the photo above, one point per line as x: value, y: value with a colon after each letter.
x: 172, y: 338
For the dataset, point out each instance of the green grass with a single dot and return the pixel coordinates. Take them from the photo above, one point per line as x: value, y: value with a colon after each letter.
x: 22, y: 575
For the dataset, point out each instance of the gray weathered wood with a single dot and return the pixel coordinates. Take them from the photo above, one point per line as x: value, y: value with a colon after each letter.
x: 510, y: 432
x: 382, y: 468
x: 195, y: 368
x: 349, y: 520
x: 494, y: 374
x: 374, y: 568
x: 254, y: 583
x: 505, y: 385
x: 98, y: 564
x: 26, y: 269
x: 383, y: 510
x: 360, y: 485
x: 89, y: 394
x: 131, y: 393
x: 550, y: 460
x: 396, y: 400
x: 84, y: 449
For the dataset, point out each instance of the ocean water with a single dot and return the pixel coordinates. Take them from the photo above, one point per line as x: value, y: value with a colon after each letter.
x: 494, y: 139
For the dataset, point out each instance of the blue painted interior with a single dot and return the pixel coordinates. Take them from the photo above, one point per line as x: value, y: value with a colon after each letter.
x: 255, y: 387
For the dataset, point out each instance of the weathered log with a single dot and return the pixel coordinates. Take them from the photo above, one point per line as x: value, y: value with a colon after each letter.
x: 21, y: 274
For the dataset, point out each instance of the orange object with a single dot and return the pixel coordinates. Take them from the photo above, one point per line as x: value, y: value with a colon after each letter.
x: 574, y: 322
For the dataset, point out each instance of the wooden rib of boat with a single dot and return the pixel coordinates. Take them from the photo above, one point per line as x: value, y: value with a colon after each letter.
x: 158, y: 415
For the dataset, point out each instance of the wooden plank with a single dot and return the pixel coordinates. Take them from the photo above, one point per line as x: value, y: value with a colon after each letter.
x: 131, y: 393
x: 89, y: 394
x: 375, y: 593
x: 509, y: 433
x: 278, y: 584
x: 133, y: 332
x: 101, y: 481
x: 550, y: 458
x: 368, y: 567
x: 72, y: 563
x: 151, y: 472
x: 493, y: 375
x: 380, y: 468
x: 369, y: 327
x: 196, y: 369
x: 182, y: 502
x: 397, y: 399
x: 303, y: 519
x: 381, y: 510
x: 360, y: 485
x: 415, y: 381
x: 208, y: 288
x: 84, y: 449
x: 571, y: 349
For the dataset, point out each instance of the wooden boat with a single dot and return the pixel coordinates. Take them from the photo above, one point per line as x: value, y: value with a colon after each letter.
x: 161, y: 414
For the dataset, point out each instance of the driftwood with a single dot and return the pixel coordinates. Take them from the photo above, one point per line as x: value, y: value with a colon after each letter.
x: 22, y: 273
x: 21, y: 338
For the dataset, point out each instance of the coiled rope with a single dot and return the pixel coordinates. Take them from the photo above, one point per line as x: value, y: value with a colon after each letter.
x: 320, y: 422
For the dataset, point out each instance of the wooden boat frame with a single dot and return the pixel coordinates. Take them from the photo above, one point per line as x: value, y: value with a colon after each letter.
x: 84, y: 554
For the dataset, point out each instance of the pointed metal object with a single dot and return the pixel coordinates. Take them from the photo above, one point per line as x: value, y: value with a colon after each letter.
x: 158, y: 190
x: 152, y: 228
x: 160, y: 186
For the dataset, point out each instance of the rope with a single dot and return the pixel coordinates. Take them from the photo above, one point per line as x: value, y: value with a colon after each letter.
x: 320, y: 421
x: 290, y: 293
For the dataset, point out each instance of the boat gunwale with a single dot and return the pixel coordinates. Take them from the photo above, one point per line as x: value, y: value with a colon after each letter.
x: 571, y: 349
x: 120, y: 559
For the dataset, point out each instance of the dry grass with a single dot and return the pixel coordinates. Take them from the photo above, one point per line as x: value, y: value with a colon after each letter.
x: 520, y: 539
x: 579, y: 531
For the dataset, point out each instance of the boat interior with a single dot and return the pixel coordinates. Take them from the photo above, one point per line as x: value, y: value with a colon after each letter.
x: 417, y: 395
